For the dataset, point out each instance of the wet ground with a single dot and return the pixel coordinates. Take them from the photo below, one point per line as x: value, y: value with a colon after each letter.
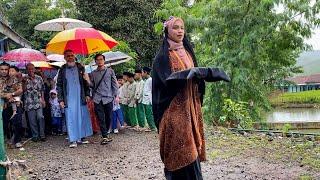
x: 135, y: 155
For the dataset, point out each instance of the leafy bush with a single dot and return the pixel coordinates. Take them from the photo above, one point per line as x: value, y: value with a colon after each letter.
x: 235, y: 113
x: 286, y: 128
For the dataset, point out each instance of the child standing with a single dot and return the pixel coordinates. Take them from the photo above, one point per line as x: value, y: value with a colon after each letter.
x: 132, y: 104
x: 117, y: 111
x: 16, y: 100
x: 56, y: 113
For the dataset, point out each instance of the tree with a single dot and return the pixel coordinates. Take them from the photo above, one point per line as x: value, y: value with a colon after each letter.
x: 128, y: 20
x: 23, y: 15
x: 256, y: 44
x: 67, y: 7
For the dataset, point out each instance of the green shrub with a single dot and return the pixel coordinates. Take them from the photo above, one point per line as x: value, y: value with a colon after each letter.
x: 286, y: 128
x: 235, y: 113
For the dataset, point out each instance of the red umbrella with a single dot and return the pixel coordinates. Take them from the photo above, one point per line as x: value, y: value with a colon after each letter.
x: 24, y: 55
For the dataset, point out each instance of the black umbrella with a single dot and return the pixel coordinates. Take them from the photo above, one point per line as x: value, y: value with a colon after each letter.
x: 199, y: 73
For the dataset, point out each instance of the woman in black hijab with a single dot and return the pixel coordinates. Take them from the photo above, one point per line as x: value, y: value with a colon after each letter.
x: 177, y: 106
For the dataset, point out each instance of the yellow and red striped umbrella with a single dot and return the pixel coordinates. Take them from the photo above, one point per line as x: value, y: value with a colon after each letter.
x: 81, y: 41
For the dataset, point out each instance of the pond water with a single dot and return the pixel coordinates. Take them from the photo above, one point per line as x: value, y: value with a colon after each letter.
x: 294, y: 115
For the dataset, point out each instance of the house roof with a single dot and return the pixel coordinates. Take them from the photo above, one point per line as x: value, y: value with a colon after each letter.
x: 300, y: 80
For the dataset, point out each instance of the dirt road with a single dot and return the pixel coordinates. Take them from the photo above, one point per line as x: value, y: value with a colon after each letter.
x: 135, y: 156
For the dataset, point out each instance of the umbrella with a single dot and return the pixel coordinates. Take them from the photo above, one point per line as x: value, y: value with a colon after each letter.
x: 114, y: 58
x: 202, y: 73
x: 56, y: 58
x: 42, y: 64
x: 37, y: 64
x: 57, y: 64
x: 81, y: 41
x: 117, y: 57
x: 61, y: 24
x: 24, y: 55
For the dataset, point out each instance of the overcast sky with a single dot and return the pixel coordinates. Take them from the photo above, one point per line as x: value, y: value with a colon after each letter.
x: 315, y: 40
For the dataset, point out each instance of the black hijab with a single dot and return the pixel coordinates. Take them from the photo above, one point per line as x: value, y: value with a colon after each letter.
x: 163, y: 93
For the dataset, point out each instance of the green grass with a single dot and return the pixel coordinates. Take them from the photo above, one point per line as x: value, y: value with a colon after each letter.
x: 305, y: 97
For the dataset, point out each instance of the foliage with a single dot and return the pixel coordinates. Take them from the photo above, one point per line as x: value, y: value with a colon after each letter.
x: 123, y: 47
x: 24, y: 15
x: 128, y: 66
x: 128, y: 20
x: 253, y: 42
x: 236, y: 113
x: 305, y: 97
x: 67, y: 7
x: 286, y: 128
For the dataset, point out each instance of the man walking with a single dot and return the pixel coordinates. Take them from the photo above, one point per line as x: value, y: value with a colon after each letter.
x: 73, y: 94
x: 147, y: 98
x: 34, y: 102
x: 104, y: 90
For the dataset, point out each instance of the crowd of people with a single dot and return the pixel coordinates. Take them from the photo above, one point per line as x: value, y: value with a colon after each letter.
x: 75, y: 103
x: 81, y: 104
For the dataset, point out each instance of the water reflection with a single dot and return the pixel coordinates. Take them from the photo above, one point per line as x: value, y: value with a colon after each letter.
x: 294, y: 115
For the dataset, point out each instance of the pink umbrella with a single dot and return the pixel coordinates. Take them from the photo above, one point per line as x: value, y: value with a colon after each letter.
x: 24, y: 55
x: 56, y: 58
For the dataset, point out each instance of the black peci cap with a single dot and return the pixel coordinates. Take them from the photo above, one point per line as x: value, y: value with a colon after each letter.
x: 138, y: 71
x: 130, y: 75
x: 119, y: 76
x: 146, y: 69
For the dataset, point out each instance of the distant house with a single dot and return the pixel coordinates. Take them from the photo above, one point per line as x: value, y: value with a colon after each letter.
x: 303, y: 83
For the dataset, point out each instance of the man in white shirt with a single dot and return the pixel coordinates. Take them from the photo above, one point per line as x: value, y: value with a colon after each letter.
x: 147, y: 98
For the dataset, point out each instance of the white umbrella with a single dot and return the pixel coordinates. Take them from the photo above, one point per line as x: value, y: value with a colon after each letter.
x: 56, y: 58
x: 61, y: 24
x: 58, y: 64
x: 114, y: 58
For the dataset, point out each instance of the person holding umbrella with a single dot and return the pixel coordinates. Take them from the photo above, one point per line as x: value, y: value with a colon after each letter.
x: 73, y: 94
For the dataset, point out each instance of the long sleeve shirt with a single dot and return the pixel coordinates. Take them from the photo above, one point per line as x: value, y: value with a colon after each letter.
x: 147, y: 92
x: 123, y: 95
x: 131, y: 94
x: 139, y: 90
x: 108, y: 88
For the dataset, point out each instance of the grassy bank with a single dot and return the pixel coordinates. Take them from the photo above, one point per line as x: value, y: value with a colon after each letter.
x: 304, y: 99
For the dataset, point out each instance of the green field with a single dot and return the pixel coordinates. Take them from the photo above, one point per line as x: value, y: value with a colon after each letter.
x: 306, y: 97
